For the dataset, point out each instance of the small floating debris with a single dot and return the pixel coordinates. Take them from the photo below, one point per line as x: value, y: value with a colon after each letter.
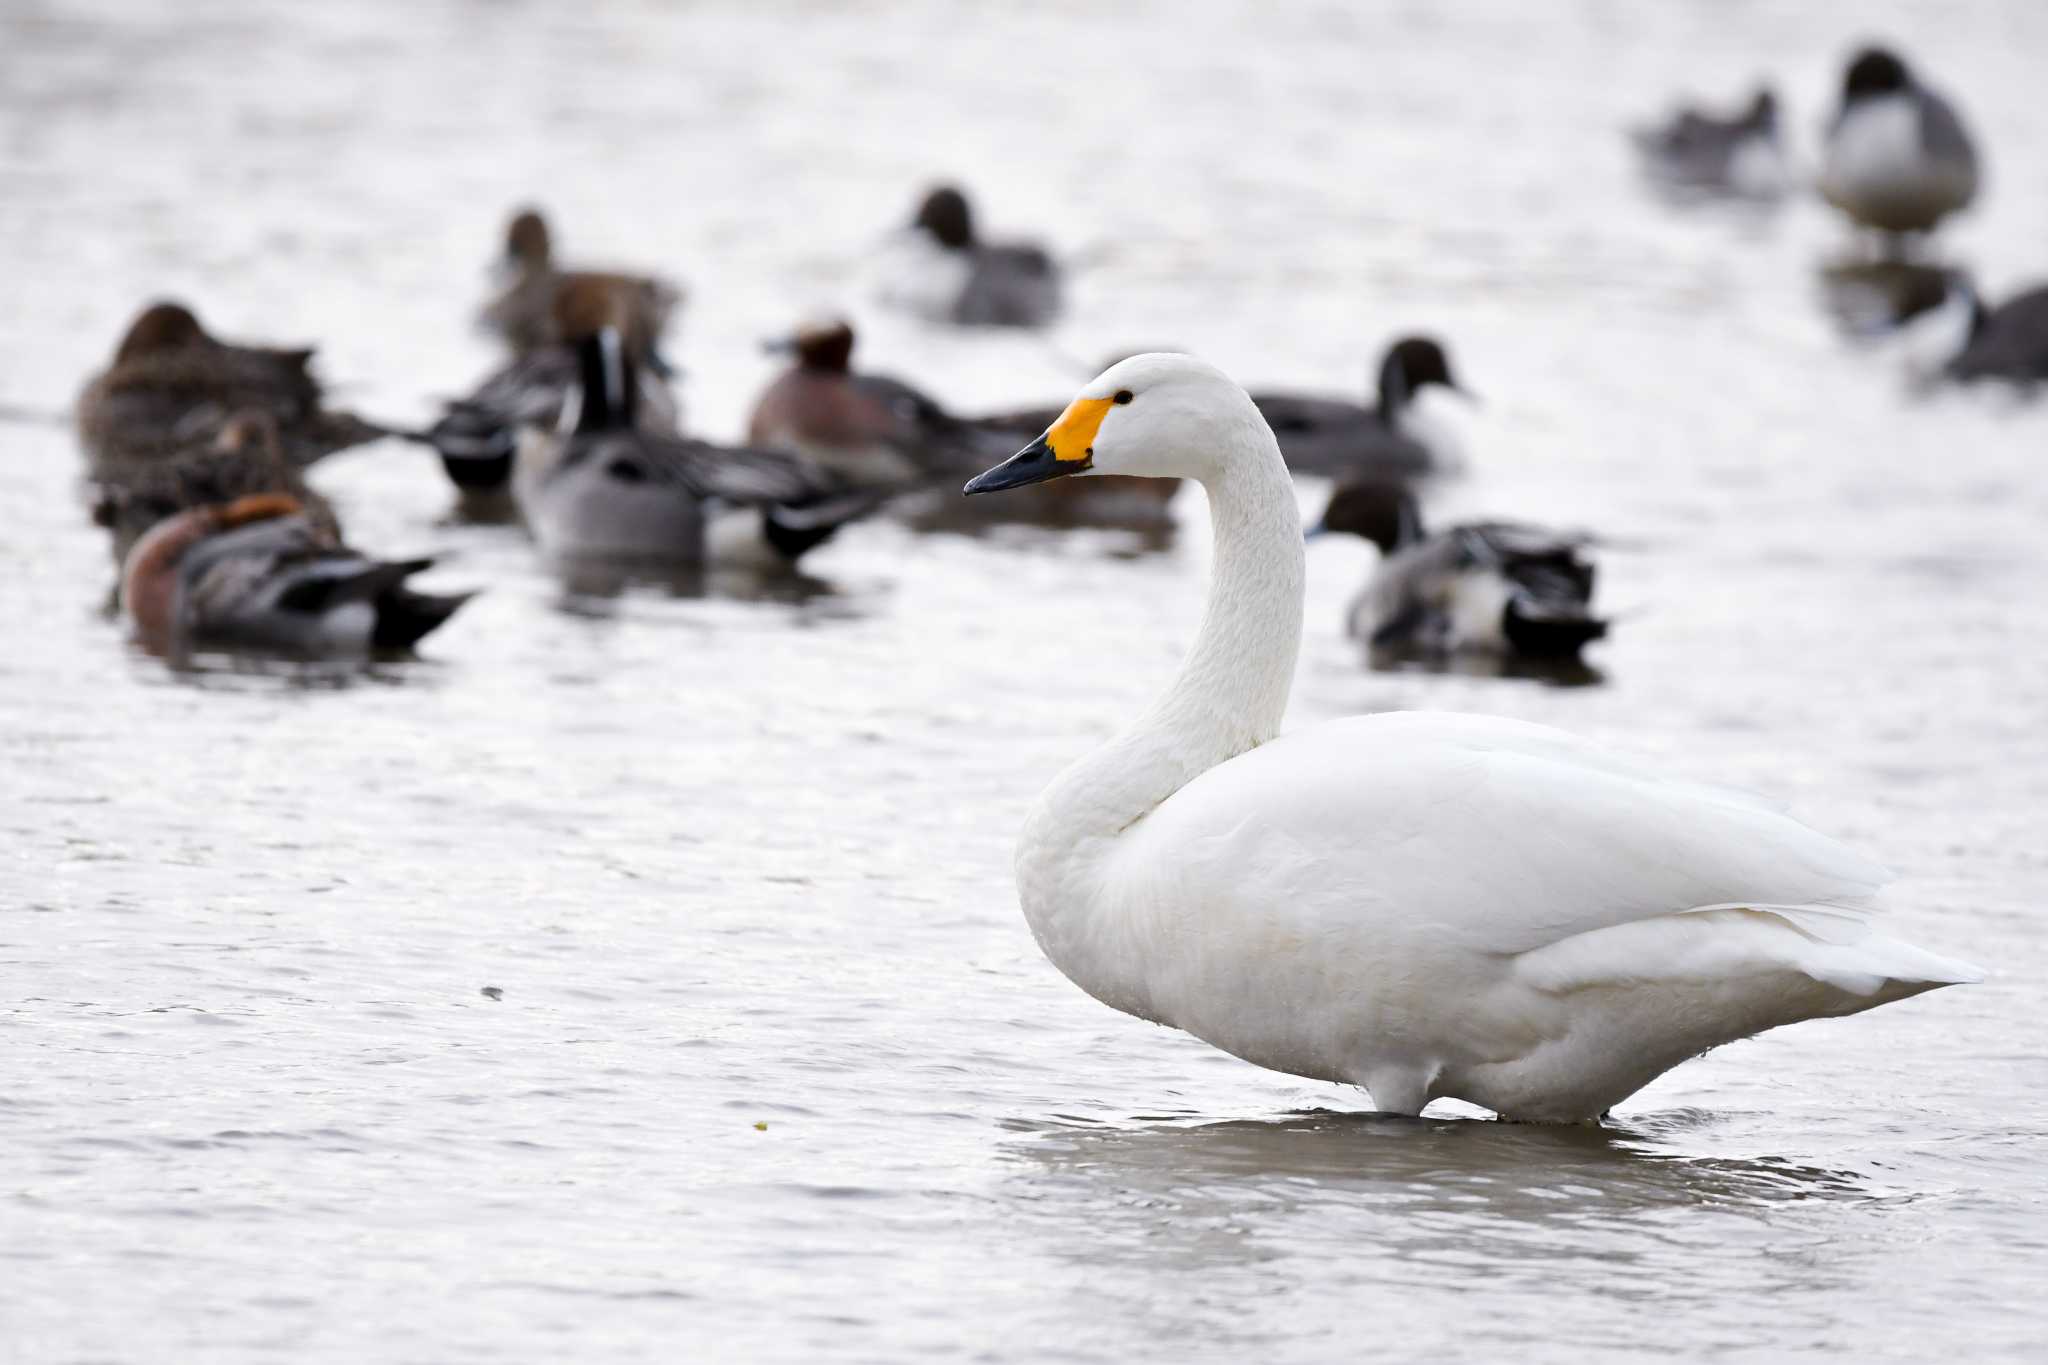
x: 493, y: 993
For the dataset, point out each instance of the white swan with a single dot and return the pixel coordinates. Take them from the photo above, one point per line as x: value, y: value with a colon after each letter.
x: 1421, y: 904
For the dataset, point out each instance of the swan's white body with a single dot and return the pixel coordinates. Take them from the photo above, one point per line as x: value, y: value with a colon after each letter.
x: 1421, y: 904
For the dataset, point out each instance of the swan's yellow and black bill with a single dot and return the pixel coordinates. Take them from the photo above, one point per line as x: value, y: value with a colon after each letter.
x: 1068, y: 447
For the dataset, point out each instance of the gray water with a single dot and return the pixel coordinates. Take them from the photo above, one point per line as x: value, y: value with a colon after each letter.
x: 771, y: 1069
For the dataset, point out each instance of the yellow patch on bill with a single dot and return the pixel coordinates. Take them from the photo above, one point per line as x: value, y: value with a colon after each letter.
x: 1072, y: 438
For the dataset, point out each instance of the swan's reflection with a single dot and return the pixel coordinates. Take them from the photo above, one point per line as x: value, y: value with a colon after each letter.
x: 1474, y: 1195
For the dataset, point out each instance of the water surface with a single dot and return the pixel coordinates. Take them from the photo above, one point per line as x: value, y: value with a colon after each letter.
x: 772, y: 1064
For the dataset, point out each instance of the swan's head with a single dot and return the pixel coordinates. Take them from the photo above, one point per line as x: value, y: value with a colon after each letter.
x: 1157, y: 416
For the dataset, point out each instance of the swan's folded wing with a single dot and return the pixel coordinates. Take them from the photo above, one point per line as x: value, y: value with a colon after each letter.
x: 1489, y: 834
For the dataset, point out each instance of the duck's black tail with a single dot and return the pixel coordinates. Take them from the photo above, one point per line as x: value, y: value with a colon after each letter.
x: 475, y: 445
x: 794, y: 528
x: 1549, y: 630
x: 404, y: 616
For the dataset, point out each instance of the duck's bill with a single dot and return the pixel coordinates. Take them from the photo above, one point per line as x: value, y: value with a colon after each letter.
x: 1035, y: 463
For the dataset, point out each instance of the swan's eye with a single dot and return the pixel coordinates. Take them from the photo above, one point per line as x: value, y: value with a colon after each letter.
x: 1121, y: 396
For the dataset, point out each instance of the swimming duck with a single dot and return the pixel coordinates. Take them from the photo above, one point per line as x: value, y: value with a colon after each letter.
x: 876, y: 432
x: 1897, y: 157
x: 1337, y: 438
x: 1423, y: 904
x: 939, y: 268
x: 243, y: 459
x: 260, y: 572
x: 1491, y: 587
x: 1740, y: 155
x: 171, y: 386
x: 476, y: 436
x: 2006, y: 342
x: 868, y: 429
x: 603, y: 486
x: 524, y: 312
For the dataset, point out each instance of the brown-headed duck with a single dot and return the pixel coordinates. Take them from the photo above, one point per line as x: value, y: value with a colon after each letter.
x: 524, y: 312
x: 261, y: 573
x: 172, y: 385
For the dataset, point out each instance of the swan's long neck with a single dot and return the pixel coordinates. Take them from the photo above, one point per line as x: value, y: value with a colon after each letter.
x: 1230, y: 696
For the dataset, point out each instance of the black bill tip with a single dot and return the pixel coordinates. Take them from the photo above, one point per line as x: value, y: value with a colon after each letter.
x: 1035, y: 463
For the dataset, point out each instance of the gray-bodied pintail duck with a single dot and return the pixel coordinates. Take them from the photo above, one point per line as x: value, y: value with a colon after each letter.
x: 602, y: 486
x: 1483, y: 587
x: 477, y: 435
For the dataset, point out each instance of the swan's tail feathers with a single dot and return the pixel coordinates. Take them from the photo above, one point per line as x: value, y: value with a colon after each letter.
x: 1762, y: 965
x: 1549, y: 629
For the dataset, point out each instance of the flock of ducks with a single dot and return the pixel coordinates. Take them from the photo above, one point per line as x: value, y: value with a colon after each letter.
x: 1897, y: 160
x: 1423, y: 905
x: 578, y: 436
x: 578, y: 433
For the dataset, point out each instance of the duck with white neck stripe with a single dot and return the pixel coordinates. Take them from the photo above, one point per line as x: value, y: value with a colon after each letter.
x: 1339, y: 438
x: 1425, y: 905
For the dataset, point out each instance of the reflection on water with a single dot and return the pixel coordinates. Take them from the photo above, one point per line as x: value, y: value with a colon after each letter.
x: 1870, y: 297
x: 736, y: 849
x: 1394, y: 658
x: 1404, y: 1168
x: 588, y: 581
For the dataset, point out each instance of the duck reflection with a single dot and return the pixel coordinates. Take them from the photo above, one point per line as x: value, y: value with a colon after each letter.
x: 593, y: 584
x: 1870, y: 298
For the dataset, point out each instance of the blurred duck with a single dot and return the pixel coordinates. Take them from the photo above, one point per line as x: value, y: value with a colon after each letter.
x: 172, y: 386
x: 242, y: 460
x: 867, y: 429
x: 524, y: 312
x: 876, y: 432
x: 1483, y: 587
x: 476, y: 436
x: 1740, y: 155
x: 1897, y: 158
x: 2006, y: 342
x: 1337, y: 438
x: 603, y: 486
x: 260, y: 572
x: 940, y: 269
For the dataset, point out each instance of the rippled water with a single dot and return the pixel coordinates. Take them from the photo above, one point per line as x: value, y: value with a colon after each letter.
x: 770, y: 1063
